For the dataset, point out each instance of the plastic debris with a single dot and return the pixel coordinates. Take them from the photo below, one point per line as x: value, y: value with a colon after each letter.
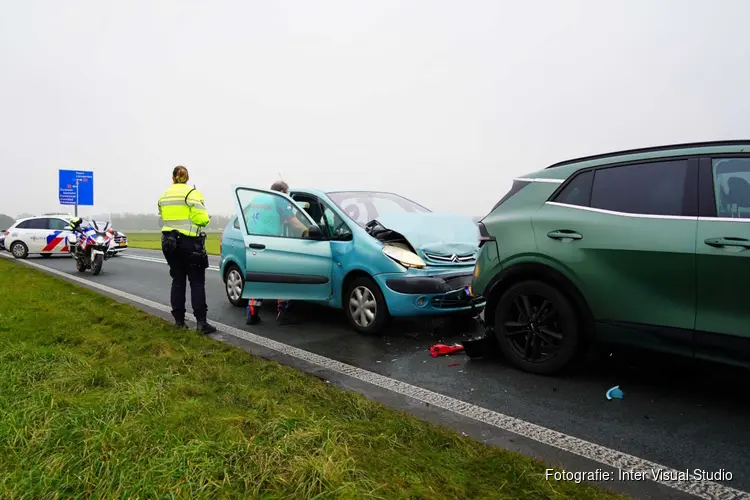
x: 454, y: 364
x: 443, y: 350
x: 615, y: 393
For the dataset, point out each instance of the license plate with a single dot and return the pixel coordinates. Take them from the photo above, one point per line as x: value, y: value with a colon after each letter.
x: 122, y: 243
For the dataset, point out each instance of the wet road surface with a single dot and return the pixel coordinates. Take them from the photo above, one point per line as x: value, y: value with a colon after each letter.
x: 677, y: 413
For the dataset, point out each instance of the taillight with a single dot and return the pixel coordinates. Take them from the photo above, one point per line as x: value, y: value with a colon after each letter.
x: 484, y: 235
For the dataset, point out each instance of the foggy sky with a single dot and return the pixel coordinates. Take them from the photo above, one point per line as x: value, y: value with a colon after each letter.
x: 443, y: 102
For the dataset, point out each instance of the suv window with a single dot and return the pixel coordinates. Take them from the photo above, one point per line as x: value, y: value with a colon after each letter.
x: 656, y: 188
x: 578, y: 191
x: 40, y: 223
x: 732, y: 187
x: 57, y: 224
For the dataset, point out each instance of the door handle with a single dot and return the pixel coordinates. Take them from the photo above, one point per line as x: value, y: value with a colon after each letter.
x: 728, y: 241
x: 256, y: 246
x: 564, y: 234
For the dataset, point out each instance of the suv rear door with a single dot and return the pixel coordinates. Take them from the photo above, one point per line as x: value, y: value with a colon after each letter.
x: 625, y: 235
x: 34, y: 234
x: 723, y: 260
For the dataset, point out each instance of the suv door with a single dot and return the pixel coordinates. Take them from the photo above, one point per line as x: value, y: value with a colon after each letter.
x: 723, y: 261
x: 56, y: 232
x: 279, y: 263
x: 625, y: 235
x: 35, y: 234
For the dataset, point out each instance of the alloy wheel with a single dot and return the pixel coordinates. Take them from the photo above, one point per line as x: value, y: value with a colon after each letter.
x: 363, y: 306
x: 533, y: 328
x: 18, y: 250
x: 234, y: 285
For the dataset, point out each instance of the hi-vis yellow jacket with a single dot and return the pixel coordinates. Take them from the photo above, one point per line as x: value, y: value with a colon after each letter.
x: 182, y: 208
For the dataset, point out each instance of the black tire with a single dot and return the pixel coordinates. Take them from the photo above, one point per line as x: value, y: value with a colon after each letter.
x: 362, y: 286
x: 81, y: 266
x: 541, y: 344
x: 19, y: 250
x: 96, y: 266
x: 233, y: 279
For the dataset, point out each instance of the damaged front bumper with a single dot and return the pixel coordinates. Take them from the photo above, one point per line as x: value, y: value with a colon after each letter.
x: 429, y: 294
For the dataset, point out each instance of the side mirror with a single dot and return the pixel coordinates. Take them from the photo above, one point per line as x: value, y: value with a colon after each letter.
x: 315, y: 233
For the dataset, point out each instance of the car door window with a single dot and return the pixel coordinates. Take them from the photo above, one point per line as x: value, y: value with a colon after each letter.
x: 337, y: 227
x: 656, y: 188
x: 24, y: 225
x: 57, y: 224
x: 732, y: 187
x: 270, y: 214
x: 42, y: 223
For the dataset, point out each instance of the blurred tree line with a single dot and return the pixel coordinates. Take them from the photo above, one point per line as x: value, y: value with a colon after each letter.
x: 152, y: 222
x: 127, y: 221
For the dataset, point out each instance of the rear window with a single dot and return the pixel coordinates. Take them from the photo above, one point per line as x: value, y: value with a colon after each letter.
x: 578, y: 191
x: 515, y: 188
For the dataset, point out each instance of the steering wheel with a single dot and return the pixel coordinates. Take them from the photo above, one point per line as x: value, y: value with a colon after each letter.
x: 352, y: 211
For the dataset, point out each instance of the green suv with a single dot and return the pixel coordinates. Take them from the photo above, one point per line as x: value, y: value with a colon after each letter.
x: 648, y: 247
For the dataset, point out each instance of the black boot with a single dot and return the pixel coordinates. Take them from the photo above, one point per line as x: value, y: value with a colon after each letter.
x: 179, y: 321
x: 205, y: 327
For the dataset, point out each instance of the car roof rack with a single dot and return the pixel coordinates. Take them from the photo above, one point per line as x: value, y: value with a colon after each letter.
x: 650, y: 149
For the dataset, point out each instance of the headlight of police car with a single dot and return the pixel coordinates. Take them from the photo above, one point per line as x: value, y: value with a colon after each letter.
x: 403, y: 257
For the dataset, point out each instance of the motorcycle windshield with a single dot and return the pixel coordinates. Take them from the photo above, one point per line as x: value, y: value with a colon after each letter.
x: 100, y: 226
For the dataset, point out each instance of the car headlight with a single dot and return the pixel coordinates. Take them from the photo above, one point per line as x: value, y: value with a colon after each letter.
x: 403, y: 257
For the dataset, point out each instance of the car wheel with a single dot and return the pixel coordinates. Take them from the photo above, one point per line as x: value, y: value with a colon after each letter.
x: 536, y: 327
x: 19, y: 250
x: 365, y: 306
x: 234, y: 284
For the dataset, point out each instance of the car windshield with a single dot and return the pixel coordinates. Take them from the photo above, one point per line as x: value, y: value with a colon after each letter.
x: 364, y: 206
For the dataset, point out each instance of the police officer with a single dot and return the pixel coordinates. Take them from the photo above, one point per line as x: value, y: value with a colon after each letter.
x: 184, y: 214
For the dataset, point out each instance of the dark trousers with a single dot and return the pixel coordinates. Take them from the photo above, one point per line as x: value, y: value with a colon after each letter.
x: 184, y: 267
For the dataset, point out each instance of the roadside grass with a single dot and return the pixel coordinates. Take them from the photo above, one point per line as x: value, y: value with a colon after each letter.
x: 101, y: 399
x: 152, y: 241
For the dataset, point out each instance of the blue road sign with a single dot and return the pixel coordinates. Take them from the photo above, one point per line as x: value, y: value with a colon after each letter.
x: 76, y: 188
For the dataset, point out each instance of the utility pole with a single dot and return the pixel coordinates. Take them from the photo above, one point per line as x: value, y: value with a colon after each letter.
x: 76, y: 206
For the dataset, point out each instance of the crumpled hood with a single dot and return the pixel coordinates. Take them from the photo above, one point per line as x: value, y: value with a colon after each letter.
x: 440, y: 233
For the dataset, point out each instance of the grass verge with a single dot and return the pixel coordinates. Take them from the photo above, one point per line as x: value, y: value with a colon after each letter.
x: 99, y: 398
x: 152, y: 241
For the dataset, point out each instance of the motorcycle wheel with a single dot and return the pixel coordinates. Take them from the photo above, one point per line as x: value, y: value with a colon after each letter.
x: 96, y: 267
x: 80, y: 265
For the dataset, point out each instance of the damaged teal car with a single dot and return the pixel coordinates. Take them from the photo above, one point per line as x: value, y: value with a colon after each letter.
x: 375, y: 255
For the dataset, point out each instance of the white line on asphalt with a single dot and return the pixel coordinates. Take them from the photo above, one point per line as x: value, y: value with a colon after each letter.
x: 158, y: 260
x: 591, y: 451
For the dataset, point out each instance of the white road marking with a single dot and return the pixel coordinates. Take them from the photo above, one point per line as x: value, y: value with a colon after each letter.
x: 591, y: 451
x: 157, y: 260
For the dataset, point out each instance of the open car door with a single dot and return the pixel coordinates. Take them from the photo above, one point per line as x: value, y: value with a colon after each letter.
x: 287, y: 255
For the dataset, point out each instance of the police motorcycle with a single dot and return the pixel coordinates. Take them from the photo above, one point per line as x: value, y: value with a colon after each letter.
x: 90, y: 244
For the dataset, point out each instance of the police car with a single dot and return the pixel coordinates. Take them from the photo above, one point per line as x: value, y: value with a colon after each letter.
x: 43, y: 234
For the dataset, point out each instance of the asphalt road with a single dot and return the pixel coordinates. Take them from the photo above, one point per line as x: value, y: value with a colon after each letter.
x: 676, y: 413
